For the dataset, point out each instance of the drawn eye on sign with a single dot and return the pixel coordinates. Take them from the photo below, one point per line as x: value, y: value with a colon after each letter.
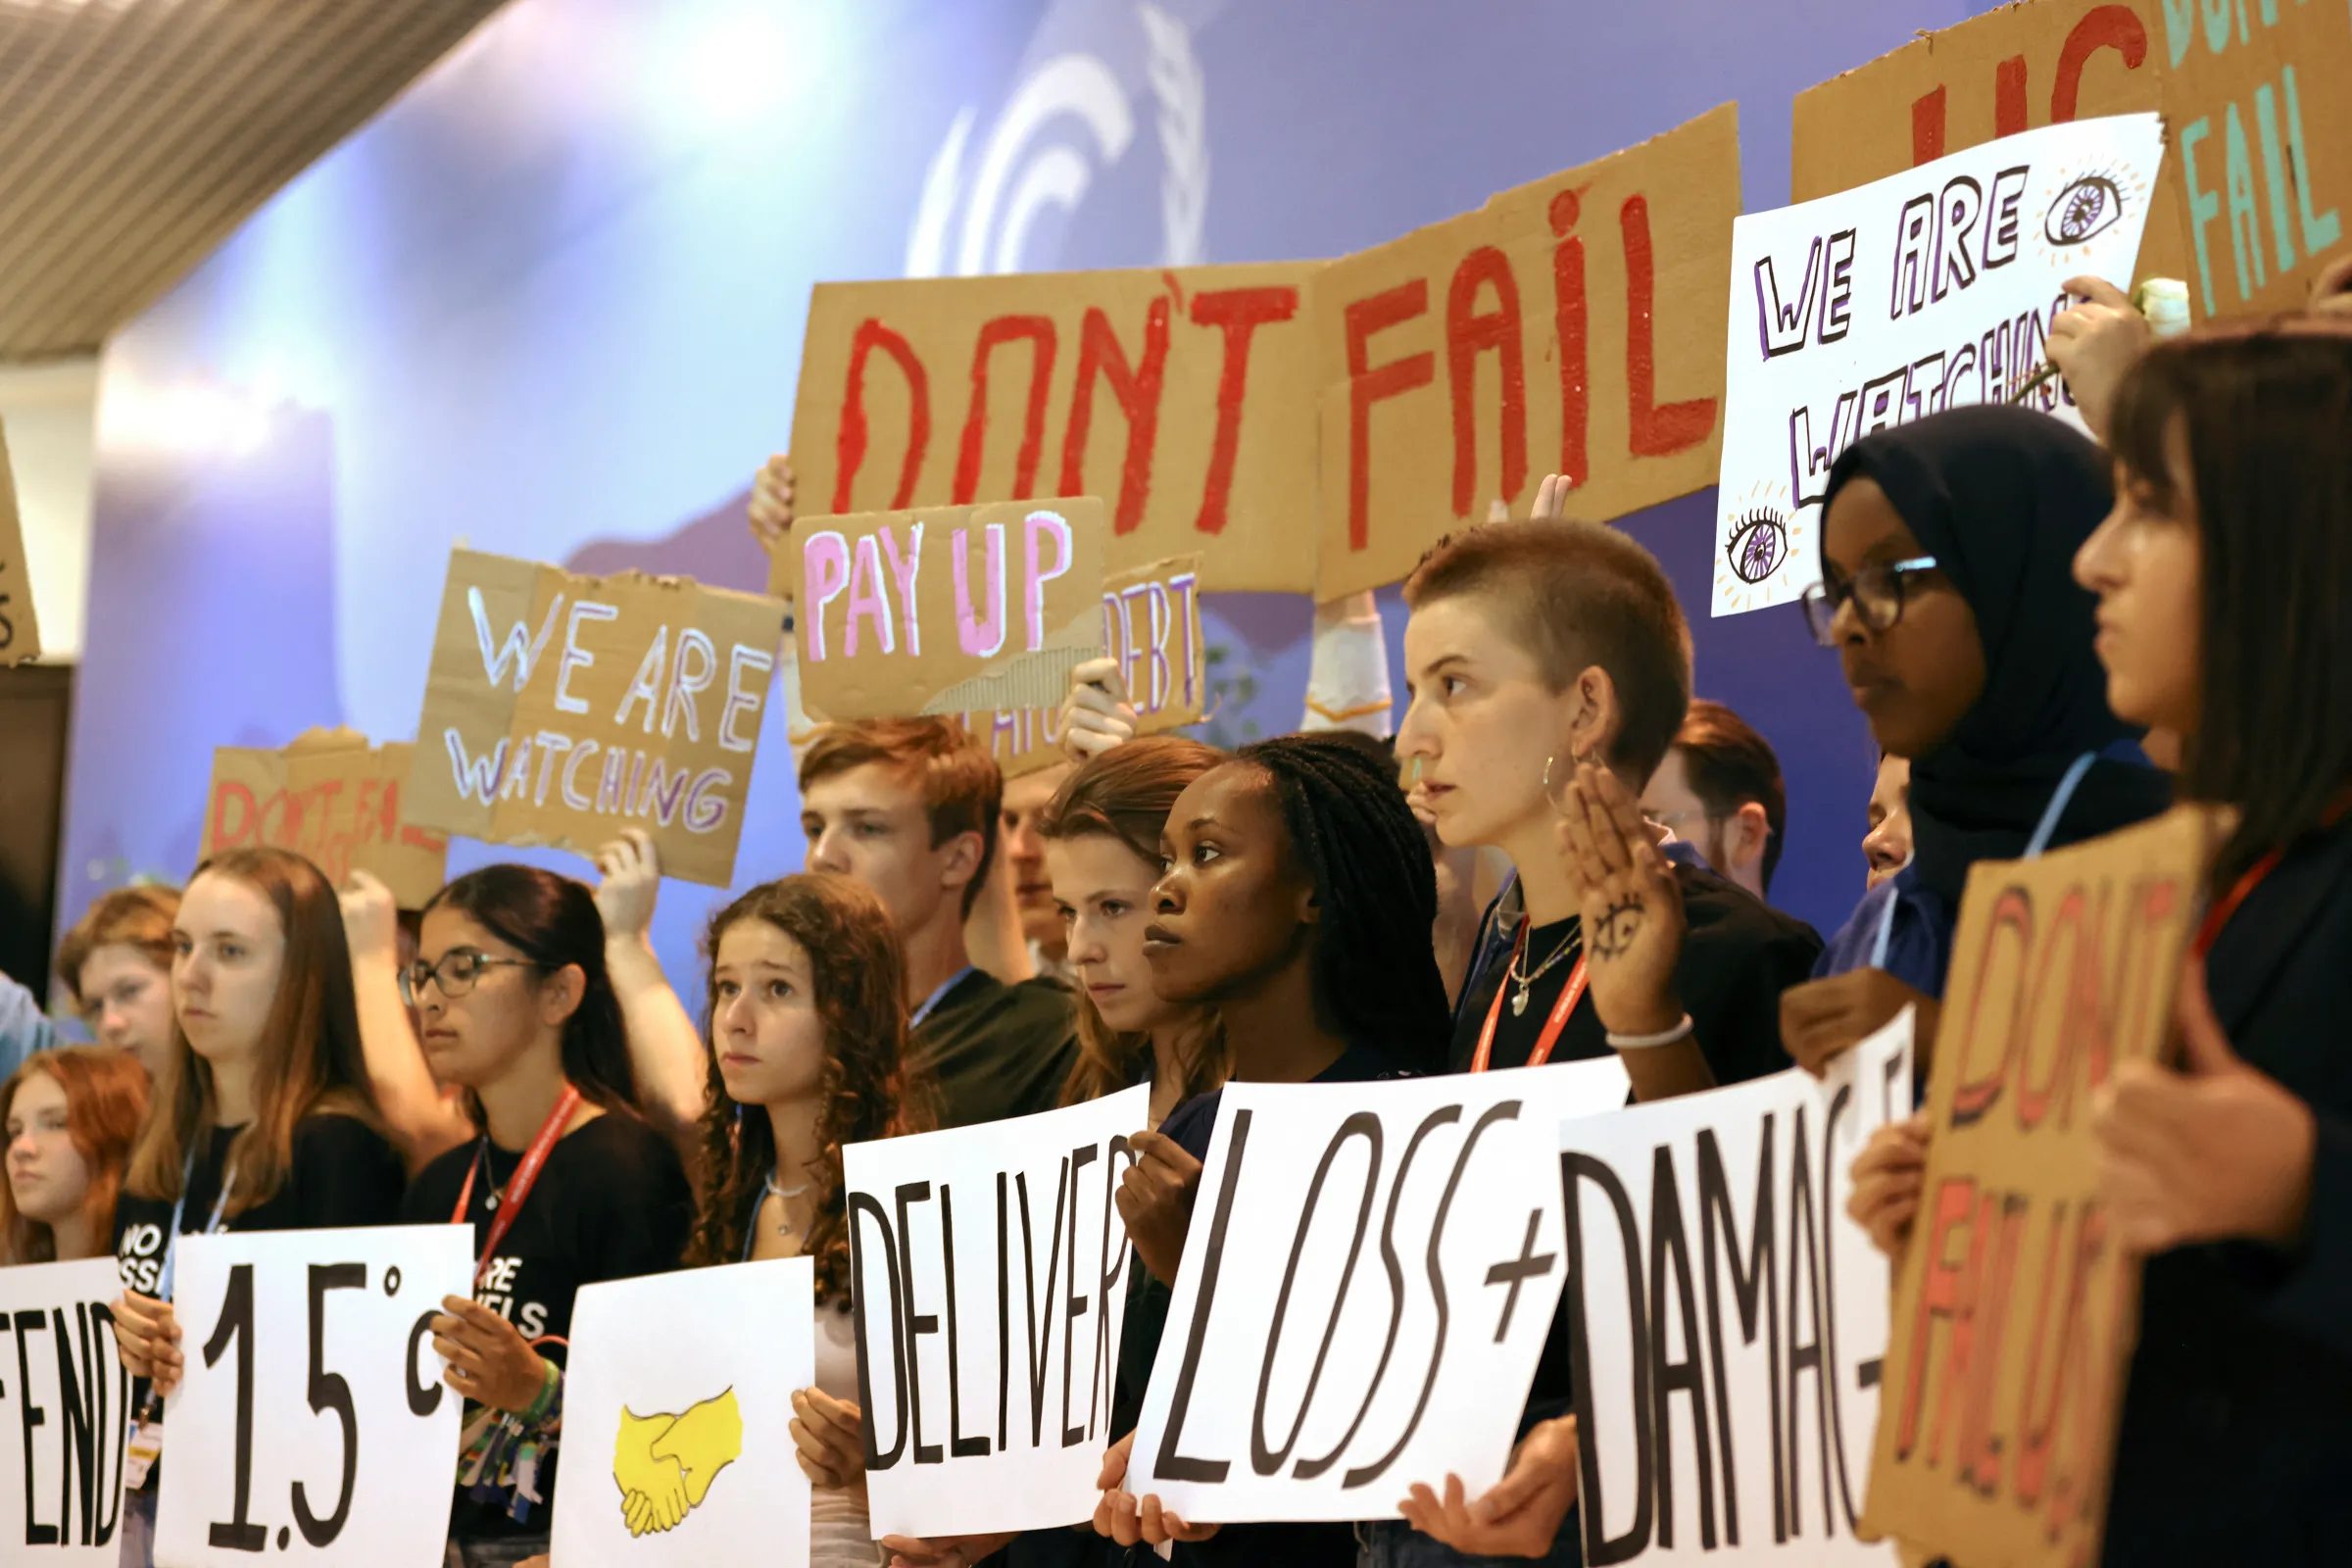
x: 2089, y: 206
x: 1758, y: 544
x: 1762, y: 543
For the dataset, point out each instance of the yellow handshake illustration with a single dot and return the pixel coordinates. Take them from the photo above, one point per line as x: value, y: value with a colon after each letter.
x: 664, y: 1464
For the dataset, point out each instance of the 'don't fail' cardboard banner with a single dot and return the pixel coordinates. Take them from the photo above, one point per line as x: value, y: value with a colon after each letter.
x: 562, y: 709
x: 1180, y: 396
x: 2015, y: 1311
x: 948, y: 610
x: 1572, y: 324
x: 1930, y: 289
x: 19, y: 628
x: 332, y: 798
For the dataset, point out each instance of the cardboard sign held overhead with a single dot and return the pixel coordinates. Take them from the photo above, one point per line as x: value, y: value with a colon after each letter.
x: 2015, y: 1311
x: 948, y: 610
x: 1181, y: 397
x: 1727, y: 1319
x: 1569, y: 326
x: 63, y: 1386
x: 19, y: 629
x: 333, y: 797
x: 563, y: 709
x: 1926, y: 290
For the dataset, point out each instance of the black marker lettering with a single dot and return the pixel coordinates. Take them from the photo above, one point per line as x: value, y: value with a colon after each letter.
x: 78, y: 1428
x: 1805, y: 1271
x: 1040, y: 1359
x: 425, y: 1398
x: 1170, y: 1465
x: 864, y: 1205
x: 1751, y: 1287
x: 1003, y: 1319
x: 1829, y: 1274
x: 1072, y: 1436
x: 1363, y: 1124
x: 29, y: 1322
x: 1108, y: 1272
x: 106, y: 1355
x: 961, y: 1447
x: 1600, y: 1551
x: 919, y: 1324
x: 1670, y: 1250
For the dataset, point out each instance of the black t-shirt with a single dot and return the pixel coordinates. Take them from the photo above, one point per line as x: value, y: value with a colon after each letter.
x: 1738, y: 955
x: 344, y: 1172
x: 998, y: 1051
x: 611, y: 1202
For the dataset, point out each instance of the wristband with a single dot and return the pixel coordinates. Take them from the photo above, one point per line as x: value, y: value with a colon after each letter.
x: 1665, y: 1037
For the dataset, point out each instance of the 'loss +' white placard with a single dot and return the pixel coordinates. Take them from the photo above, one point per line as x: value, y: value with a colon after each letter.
x: 312, y: 1425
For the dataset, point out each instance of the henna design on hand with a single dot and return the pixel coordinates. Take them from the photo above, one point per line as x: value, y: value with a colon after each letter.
x: 1613, y: 936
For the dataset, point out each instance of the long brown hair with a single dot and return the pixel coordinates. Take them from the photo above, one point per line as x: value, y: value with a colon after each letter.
x: 106, y: 1096
x: 1125, y: 794
x: 2266, y: 412
x: 871, y: 1087
x: 310, y: 1060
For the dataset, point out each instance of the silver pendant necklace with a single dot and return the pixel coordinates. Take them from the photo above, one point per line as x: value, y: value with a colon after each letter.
x: 783, y: 1196
x: 1524, y: 980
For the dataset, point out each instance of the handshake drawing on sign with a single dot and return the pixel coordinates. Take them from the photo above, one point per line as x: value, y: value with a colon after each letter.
x: 664, y: 1464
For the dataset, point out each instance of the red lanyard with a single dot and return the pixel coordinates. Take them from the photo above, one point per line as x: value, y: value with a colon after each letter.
x: 2209, y: 931
x: 1570, y: 994
x: 526, y: 1176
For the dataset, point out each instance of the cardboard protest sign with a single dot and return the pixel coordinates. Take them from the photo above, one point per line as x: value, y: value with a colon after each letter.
x: 2259, y: 98
x: 1308, y: 1373
x: 1727, y: 1321
x: 677, y: 1418
x: 1926, y: 290
x: 1004, y: 604
x: 1569, y: 324
x: 311, y: 1423
x: 2014, y: 1311
x: 1181, y: 397
x: 334, y: 798
x: 65, y: 1402
x: 986, y: 1364
x: 562, y: 709
x: 19, y: 628
x: 1022, y: 740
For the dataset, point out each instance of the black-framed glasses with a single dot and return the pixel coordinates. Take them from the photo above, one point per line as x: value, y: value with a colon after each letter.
x: 455, y: 973
x: 1876, y: 592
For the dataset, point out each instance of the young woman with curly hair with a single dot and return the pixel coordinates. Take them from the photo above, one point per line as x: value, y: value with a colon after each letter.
x: 807, y: 1028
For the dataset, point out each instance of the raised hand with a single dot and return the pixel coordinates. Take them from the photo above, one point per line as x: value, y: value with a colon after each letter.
x: 631, y: 868
x: 1520, y: 1515
x: 371, y: 921
x: 2094, y: 343
x: 653, y: 1490
x: 1097, y: 715
x: 771, y: 505
x: 1632, y: 905
x: 703, y: 1442
x: 830, y: 1434
x: 1552, y: 499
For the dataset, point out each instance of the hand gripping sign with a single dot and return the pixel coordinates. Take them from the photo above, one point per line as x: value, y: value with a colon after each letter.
x: 312, y: 1424
x: 1366, y: 1287
x: 65, y: 1402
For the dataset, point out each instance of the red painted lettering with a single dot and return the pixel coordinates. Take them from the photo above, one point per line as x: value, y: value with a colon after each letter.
x: 225, y: 836
x: 1368, y: 384
x: 1926, y: 127
x: 1980, y: 1457
x: 2046, y: 1421
x: 850, y: 441
x: 1939, y: 1299
x: 2012, y: 912
x: 2114, y: 27
x: 1470, y: 332
x: 2009, y: 96
x: 1657, y: 431
x: 996, y: 332
x: 1137, y: 389
x: 1238, y: 312
x: 2034, y: 1100
x: 1571, y: 319
x: 1959, y: 1374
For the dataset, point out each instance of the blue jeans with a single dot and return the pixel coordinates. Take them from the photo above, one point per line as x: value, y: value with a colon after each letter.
x: 1393, y: 1543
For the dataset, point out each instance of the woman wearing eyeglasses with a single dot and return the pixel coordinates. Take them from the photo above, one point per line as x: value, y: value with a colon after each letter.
x: 564, y: 1186
x: 1947, y: 592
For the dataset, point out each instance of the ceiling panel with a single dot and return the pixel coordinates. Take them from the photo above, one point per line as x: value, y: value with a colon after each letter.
x: 136, y: 135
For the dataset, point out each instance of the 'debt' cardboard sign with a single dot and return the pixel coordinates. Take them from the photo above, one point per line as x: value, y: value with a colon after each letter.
x: 563, y: 709
x: 948, y: 610
x: 333, y: 797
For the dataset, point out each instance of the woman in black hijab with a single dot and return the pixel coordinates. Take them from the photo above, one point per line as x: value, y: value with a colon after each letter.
x: 1947, y: 590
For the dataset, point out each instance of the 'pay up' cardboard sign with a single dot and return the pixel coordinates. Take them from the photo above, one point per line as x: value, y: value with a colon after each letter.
x: 949, y: 610
x: 562, y: 709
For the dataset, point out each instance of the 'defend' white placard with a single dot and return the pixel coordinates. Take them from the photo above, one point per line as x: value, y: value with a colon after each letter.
x: 1365, y: 1290
x: 677, y: 1418
x: 64, y: 1397
x: 1926, y: 290
x: 991, y: 1292
x: 1727, y: 1320
x: 312, y: 1425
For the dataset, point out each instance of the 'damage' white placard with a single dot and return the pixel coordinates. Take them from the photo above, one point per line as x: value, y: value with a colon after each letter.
x: 1366, y: 1288
x: 677, y: 1418
x: 1926, y: 290
x: 992, y: 1286
x: 312, y: 1425
x: 1727, y: 1321
x: 62, y: 1401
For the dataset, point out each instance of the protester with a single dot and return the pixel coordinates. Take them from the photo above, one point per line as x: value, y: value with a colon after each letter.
x: 665, y: 1049
x: 1719, y: 789
x: 262, y: 1119
x: 70, y: 1116
x: 807, y: 1052
x: 909, y: 806
x: 1886, y: 846
x: 563, y: 1185
x: 1297, y: 899
x: 425, y: 1117
x: 116, y: 964
x: 1025, y: 800
x: 1535, y: 647
x: 1946, y: 593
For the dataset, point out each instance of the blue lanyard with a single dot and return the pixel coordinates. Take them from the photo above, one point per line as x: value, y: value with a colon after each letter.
x: 2043, y: 830
x: 180, y: 1209
x: 915, y: 1021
